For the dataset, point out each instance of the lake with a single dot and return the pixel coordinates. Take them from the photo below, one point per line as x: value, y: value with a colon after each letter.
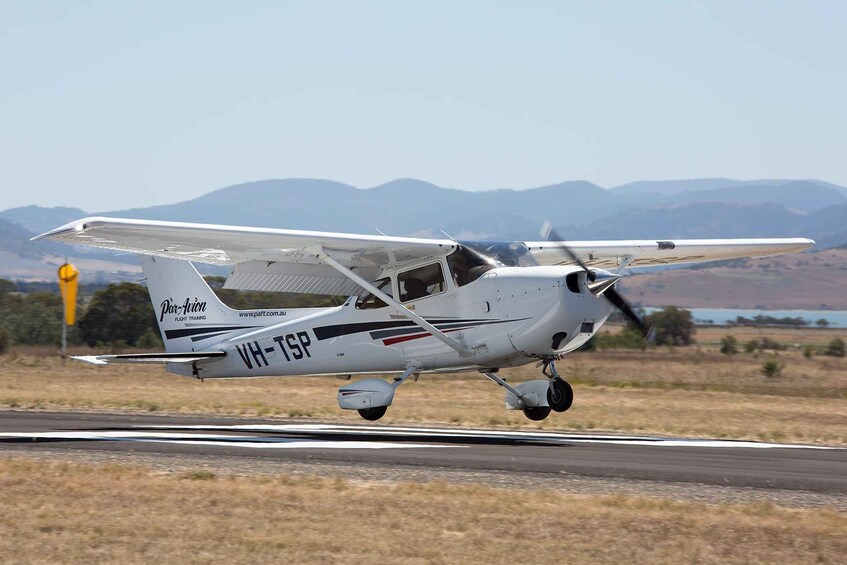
x: 722, y: 316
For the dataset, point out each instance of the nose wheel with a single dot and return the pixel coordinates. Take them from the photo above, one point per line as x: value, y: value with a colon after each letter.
x: 559, y: 393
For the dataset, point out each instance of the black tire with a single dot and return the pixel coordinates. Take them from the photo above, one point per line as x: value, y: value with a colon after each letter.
x: 373, y: 414
x: 536, y: 413
x: 560, y: 395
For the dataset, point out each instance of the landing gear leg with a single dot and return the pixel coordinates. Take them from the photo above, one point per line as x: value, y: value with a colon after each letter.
x: 533, y: 412
x: 560, y: 393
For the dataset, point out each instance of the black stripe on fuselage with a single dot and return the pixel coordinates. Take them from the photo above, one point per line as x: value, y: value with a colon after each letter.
x: 188, y: 332
x: 329, y: 332
x: 416, y: 329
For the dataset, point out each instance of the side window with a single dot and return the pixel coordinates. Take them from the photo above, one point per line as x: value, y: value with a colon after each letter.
x: 420, y: 282
x: 371, y: 302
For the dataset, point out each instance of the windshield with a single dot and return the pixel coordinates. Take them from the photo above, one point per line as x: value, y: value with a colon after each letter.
x: 504, y: 253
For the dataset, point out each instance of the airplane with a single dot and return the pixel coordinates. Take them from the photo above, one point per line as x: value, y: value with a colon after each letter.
x: 415, y: 305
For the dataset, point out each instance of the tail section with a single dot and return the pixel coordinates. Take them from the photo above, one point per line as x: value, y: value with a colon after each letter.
x: 189, y: 313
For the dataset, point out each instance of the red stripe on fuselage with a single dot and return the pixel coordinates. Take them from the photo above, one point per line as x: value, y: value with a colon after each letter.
x: 403, y: 338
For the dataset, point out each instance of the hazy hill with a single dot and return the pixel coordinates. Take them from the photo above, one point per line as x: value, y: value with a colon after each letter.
x: 38, y: 219
x: 806, y: 281
x: 694, y: 185
x: 799, y: 195
x: 580, y: 210
x: 400, y: 207
x: 703, y: 220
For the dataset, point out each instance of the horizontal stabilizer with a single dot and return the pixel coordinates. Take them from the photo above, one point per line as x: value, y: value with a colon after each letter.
x: 186, y: 358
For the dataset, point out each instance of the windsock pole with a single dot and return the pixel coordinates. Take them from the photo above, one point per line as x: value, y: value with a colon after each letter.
x: 64, y: 332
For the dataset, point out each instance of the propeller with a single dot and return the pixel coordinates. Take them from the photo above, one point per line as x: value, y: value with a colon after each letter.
x: 609, y: 292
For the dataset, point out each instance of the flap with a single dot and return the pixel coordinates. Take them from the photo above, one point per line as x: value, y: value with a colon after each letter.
x: 296, y: 277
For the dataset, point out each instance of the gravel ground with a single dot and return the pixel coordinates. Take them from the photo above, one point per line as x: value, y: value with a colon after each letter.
x: 384, y: 474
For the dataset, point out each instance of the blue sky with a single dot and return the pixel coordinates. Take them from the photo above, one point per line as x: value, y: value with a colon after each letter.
x: 107, y: 105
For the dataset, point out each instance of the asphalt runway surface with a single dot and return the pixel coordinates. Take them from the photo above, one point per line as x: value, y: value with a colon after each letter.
x: 673, y: 460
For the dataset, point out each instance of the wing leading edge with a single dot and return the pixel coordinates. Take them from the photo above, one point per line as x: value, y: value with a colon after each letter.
x: 651, y: 253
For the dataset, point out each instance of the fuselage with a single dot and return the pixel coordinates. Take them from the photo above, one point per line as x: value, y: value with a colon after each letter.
x: 508, y: 316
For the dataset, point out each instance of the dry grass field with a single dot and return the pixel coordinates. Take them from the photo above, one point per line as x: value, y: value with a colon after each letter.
x: 693, y: 391
x: 71, y: 513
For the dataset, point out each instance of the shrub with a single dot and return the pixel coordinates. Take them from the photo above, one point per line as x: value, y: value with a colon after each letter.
x: 808, y: 351
x: 836, y: 348
x: 729, y: 345
x: 751, y: 346
x: 773, y: 368
x: 767, y: 343
x: 627, y: 339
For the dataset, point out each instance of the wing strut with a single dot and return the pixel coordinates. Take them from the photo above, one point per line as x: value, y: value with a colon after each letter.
x: 436, y: 333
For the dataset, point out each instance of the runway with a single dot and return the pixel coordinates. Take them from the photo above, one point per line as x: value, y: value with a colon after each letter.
x: 670, y: 460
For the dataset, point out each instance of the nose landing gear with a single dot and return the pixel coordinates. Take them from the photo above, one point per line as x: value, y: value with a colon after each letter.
x: 560, y: 392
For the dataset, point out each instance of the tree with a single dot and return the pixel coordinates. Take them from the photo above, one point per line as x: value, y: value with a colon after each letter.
x: 7, y: 286
x: 822, y: 323
x: 149, y: 340
x: 836, y: 348
x: 32, y: 319
x: 672, y: 326
x: 5, y: 340
x: 729, y: 345
x: 118, y: 312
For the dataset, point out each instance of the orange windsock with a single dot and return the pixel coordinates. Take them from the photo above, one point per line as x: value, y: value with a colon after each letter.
x: 68, y: 276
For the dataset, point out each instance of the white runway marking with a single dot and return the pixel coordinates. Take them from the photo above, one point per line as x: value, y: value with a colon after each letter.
x: 214, y: 439
x: 358, y: 437
x: 471, y: 434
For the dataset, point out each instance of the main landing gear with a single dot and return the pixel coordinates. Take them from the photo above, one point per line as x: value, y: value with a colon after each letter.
x: 539, y: 397
x: 372, y: 397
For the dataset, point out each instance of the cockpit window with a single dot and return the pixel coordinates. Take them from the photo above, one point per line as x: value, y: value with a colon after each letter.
x: 371, y: 302
x: 466, y: 265
x: 420, y: 282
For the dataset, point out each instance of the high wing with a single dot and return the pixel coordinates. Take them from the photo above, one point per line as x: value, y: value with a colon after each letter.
x: 235, y: 245
x: 650, y: 253
x: 291, y: 260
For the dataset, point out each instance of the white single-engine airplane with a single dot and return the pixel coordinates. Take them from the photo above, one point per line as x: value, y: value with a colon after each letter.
x: 415, y: 306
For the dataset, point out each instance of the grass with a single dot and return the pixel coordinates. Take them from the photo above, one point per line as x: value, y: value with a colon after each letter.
x: 692, y: 391
x: 72, y: 513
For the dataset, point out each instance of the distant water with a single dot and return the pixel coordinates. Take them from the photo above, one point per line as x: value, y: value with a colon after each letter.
x: 723, y: 316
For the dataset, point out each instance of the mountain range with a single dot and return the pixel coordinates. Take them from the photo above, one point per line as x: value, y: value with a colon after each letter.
x: 696, y: 208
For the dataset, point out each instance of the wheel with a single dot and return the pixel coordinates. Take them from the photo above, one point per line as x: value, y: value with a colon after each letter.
x: 373, y: 414
x: 560, y: 395
x: 537, y: 413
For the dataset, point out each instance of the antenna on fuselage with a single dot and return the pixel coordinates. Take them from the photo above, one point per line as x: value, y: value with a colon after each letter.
x: 447, y: 234
x: 381, y: 232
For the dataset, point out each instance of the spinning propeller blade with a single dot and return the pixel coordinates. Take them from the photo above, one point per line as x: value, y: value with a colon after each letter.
x: 611, y: 294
